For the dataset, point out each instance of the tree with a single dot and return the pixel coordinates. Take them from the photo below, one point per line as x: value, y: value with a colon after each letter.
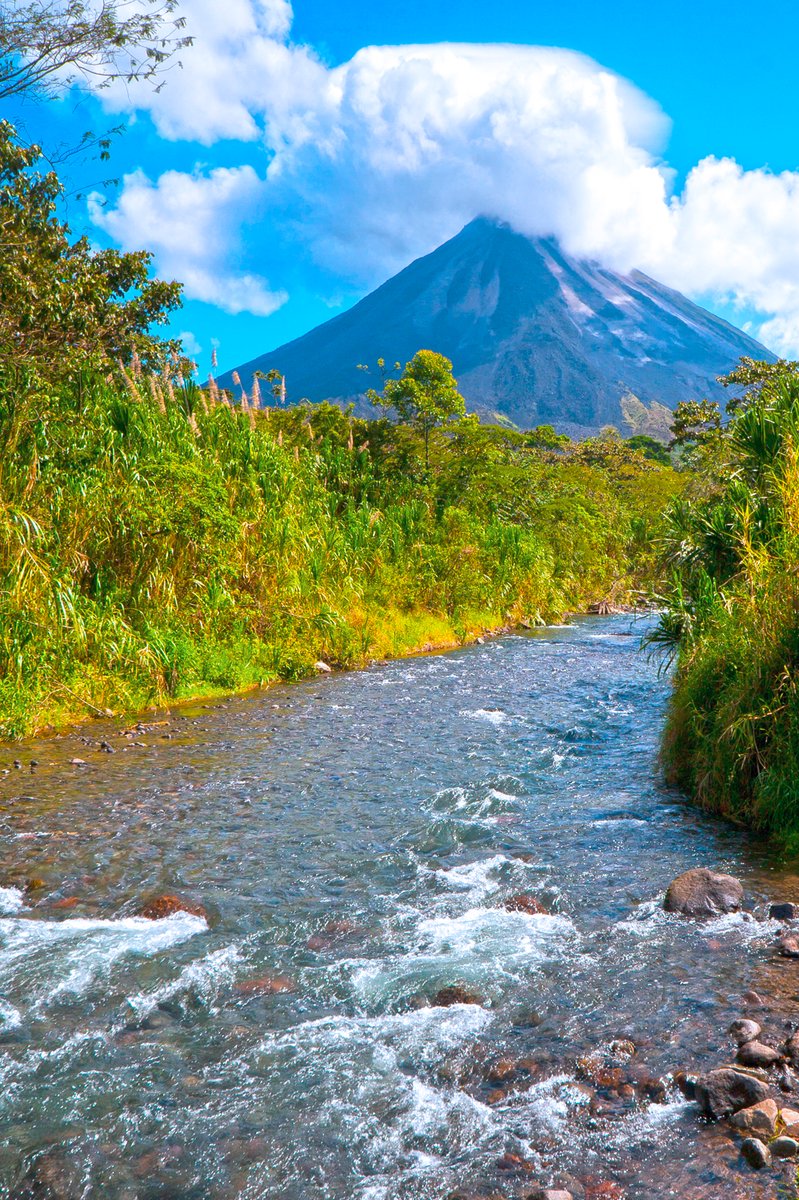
x: 696, y: 422
x: 425, y: 396
x: 650, y: 448
x: 63, y: 306
x: 754, y: 375
x: 47, y: 45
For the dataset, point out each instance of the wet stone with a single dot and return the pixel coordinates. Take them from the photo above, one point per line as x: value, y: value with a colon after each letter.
x: 525, y: 904
x: 756, y: 1153
x: 756, y: 1054
x: 788, y: 945
x: 158, y: 907
x: 726, y: 1091
x: 703, y: 893
x: 759, y: 1118
x: 783, y: 912
x: 454, y: 994
x: 743, y: 1031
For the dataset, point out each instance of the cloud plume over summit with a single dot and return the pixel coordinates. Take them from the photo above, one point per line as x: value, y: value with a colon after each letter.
x: 369, y: 163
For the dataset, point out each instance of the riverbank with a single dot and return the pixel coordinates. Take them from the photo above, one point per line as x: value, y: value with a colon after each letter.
x: 160, y: 544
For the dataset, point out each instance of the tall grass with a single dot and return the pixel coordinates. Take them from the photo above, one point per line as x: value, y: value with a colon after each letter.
x: 157, y: 542
x: 732, y: 738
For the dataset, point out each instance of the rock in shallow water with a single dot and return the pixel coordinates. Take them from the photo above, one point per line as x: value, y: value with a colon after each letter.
x: 758, y: 1118
x: 756, y: 1153
x: 703, y: 893
x: 726, y: 1091
x: 756, y: 1054
x: 158, y: 907
x: 743, y: 1031
x: 783, y: 912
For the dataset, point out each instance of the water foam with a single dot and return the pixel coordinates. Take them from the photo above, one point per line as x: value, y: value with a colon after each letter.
x: 59, y: 958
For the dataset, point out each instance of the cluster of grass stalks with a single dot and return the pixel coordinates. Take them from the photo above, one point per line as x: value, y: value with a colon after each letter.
x: 732, y: 737
x: 157, y: 542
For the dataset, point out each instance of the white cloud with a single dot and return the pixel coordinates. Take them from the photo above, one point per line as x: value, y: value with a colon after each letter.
x: 190, y: 343
x: 377, y: 160
x: 190, y: 222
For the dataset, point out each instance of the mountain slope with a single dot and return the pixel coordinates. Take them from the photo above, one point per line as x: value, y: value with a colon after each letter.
x: 534, y: 335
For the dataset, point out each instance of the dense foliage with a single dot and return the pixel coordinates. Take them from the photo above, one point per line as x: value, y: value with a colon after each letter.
x: 156, y: 541
x: 732, y: 546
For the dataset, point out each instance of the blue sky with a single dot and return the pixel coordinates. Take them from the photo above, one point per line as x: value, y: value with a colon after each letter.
x: 290, y: 166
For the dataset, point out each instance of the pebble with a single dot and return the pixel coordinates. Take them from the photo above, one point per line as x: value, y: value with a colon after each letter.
x: 788, y: 945
x: 743, y: 1031
x: 784, y: 1147
x: 756, y: 1153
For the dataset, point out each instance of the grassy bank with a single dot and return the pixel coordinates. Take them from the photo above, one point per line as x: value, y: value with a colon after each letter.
x: 157, y: 543
x: 732, y: 738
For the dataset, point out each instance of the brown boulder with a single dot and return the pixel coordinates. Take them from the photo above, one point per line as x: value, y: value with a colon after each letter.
x: 455, y: 994
x: 756, y: 1054
x: 703, y: 893
x: 524, y: 903
x: 266, y: 985
x: 725, y: 1091
x: 788, y: 945
x: 759, y: 1118
x: 158, y: 907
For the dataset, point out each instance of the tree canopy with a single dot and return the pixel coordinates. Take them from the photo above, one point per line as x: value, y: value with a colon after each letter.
x: 64, y: 306
x: 47, y: 45
x: 425, y: 396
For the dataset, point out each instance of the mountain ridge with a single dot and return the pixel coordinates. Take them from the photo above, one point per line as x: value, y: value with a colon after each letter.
x: 535, y: 336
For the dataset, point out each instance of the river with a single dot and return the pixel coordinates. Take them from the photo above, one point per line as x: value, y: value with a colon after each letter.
x: 354, y: 840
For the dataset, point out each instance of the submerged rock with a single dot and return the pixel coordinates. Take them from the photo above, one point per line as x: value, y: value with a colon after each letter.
x: 756, y: 1153
x: 549, y: 1194
x: 524, y: 903
x: 788, y: 945
x: 265, y: 985
x: 725, y: 1091
x: 158, y: 907
x: 703, y: 893
x: 783, y: 912
x: 52, y: 1176
x: 454, y: 994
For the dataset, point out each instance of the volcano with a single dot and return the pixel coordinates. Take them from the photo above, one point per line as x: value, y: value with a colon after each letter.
x: 535, y: 336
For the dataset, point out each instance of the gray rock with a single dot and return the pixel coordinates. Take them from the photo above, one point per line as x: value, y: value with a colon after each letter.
x: 784, y: 1147
x: 743, y: 1031
x: 756, y: 1054
x: 756, y: 1153
x: 792, y: 1048
x: 726, y: 1091
x: 703, y: 893
x: 783, y: 912
x: 788, y: 945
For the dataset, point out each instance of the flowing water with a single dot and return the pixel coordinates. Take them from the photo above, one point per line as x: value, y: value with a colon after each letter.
x: 354, y: 840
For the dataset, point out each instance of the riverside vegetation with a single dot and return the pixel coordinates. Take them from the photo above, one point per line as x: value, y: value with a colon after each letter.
x: 157, y: 541
x: 731, y: 546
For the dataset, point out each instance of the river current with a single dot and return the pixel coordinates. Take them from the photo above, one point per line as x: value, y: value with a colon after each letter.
x: 355, y: 840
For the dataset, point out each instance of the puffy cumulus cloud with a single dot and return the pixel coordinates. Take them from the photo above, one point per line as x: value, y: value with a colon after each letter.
x: 191, y: 224
x: 411, y: 142
x: 379, y: 159
x: 236, y: 77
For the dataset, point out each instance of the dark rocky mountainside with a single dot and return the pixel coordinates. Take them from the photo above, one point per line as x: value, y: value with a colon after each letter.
x: 534, y: 335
